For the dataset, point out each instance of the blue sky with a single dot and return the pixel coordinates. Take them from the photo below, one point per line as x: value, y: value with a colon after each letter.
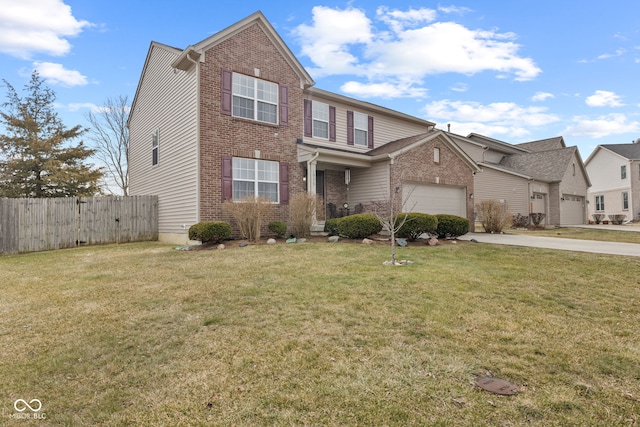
x: 516, y: 71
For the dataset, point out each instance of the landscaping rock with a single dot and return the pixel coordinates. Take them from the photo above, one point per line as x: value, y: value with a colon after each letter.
x: 432, y: 241
x: 367, y: 241
x: 243, y: 244
x: 401, y: 242
x: 221, y: 246
x: 291, y: 239
x: 271, y: 242
x: 334, y: 239
x: 302, y: 240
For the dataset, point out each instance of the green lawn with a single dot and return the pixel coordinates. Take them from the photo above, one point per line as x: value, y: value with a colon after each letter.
x: 583, y: 233
x: 319, y: 334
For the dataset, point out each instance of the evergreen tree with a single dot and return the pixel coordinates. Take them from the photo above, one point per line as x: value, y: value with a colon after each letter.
x: 37, y: 158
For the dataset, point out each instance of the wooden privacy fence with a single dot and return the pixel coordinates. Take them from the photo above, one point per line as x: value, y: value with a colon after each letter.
x: 31, y: 225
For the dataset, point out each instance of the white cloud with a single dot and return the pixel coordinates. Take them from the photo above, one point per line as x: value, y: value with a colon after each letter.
x: 542, y: 96
x: 409, y: 46
x: 604, y: 98
x: 611, y: 124
x: 84, y: 106
x: 383, y: 90
x: 33, y: 26
x: 56, y: 74
x: 459, y: 87
x: 498, y: 118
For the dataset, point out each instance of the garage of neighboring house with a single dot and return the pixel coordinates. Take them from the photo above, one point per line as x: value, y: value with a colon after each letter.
x: 572, y: 211
x: 435, y: 199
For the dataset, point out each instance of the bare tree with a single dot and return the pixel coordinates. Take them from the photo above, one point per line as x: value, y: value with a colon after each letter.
x: 110, y: 136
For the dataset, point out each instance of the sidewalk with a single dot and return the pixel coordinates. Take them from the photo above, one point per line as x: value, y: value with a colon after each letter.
x: 612, y: 248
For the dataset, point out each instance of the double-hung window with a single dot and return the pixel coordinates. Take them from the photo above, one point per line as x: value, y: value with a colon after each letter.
x: 600, y: 203
x: 254, y: 178
x: 254, y: 99
x: 625, y: 201
x: 360, y: 129
x: 623, y: 172
x: 320, y: 120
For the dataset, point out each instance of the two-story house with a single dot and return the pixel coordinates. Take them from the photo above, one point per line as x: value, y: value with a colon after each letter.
x: 615, y: 173
x: 237, y: 115
x: 542, y: 176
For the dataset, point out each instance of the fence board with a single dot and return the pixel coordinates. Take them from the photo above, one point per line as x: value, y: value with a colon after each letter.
x: 29, y: 225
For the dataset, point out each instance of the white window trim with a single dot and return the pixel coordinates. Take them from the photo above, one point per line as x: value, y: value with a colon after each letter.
x: 365, y: 119
x: 255, y: 98
x: 316, y: 106
x: 623, y: 172
x: 155, y: 147
x: 256, y: 178
x: 436, y: 155
x: 599, y: 206
x: 625, y: 194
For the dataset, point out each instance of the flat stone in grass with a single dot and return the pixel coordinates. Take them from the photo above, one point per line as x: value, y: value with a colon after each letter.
x: 334, y: 239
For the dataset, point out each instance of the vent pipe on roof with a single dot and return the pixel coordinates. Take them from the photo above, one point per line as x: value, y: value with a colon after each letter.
x: 449, y: 127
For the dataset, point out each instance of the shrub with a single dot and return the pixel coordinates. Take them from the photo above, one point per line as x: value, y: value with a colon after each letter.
x: 617, y: 219
x: 359, y: 226
x: 210, y: 231
x: 278, y: 228
x: 520, y: 221
x: 536, y: 218
x: 331, y: 226
x: 248, y: 214
x: 493, y: 215
x: 451, y: 226
x: 598, y: 218
x: 415, y: 224
x: 301, y: 209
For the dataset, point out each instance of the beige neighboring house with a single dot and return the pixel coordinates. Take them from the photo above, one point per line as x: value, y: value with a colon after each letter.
x: 236, y: 115
x: 542, y: 176
x: 615, y: 173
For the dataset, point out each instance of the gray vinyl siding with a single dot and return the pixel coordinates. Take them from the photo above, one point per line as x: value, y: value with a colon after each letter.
x: 370, y: 184
x: 475, y: 151
x: 386, y: 128
x: 491, y: 184
x: 573, y: 184
x: 166, y: 100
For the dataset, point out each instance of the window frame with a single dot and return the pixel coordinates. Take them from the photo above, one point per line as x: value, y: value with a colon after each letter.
x: 358, y: 127
x: 255, y: 179
x: 436, y: 155
x: 317, y: 116
x: 623, y: 172
x: 625, y: 200
x: 252, y: 93
x: 599, y: 202
x: 155, y: 144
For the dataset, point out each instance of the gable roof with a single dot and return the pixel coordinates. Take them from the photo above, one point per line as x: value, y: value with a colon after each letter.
x: 549, y: 166
x: 192, y: 53
x: 494, y: 144
x: 630, y: 151
x: 543, y: 144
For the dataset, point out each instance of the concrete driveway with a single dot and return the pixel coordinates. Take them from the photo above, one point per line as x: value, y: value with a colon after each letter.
x: 563, y: 244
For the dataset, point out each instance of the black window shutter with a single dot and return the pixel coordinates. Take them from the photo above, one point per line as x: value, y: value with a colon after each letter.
x: 332, y: 123
x: 225, y: 92
x: 284, y: 105
x: 308, y: 118
x: 284, y: 183
x: 227, y: 178
x: 370, y: 132
x: 350, y: 127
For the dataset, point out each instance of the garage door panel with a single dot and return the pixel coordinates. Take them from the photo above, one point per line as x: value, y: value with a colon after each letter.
x: 435, y: 199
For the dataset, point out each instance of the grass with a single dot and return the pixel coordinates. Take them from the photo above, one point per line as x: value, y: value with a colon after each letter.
x: 320, y: 334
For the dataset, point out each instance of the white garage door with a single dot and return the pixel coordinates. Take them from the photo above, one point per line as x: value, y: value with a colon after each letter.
x: 572, y: 210
x: 435, y: 199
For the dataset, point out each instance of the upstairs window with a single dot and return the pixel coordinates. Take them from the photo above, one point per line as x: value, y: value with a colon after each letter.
x: 155, y: 139
x: 436, y: 155
x: 623, y: 172
x: 320, y: 120
x: 360, y: 129
x: 254, y: 99
x: 599, y: 203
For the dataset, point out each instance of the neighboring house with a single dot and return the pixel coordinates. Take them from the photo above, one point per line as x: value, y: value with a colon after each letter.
x: 614, y: 170
x: 540, y: 176
x: 237, y: 115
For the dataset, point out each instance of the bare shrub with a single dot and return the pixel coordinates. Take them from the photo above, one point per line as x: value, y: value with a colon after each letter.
x: 536, y: 219
x: 248, y: 214
x: 493, y: 215
x: 520, y: 221
x: 301, y: 209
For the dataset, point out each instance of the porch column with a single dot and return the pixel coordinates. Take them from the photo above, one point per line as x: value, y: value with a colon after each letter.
x: 311, y: 184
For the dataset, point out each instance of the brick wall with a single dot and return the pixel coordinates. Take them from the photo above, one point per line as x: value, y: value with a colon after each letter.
x: 223, y: 135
